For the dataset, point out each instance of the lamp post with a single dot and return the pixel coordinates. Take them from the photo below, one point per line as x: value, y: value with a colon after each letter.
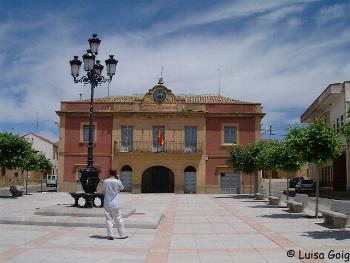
x: 90, y: 175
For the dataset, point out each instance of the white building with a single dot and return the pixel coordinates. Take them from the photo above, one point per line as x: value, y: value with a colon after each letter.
x: 47, y: 147
x: 332, y: 106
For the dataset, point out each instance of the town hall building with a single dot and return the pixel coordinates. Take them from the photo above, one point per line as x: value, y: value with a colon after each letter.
x: 160, y: 142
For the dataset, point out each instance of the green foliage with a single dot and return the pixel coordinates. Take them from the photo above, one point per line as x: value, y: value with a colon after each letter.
x: 31, y: 162
x: 248, y: 159
x: 38, y: 162
x: 239, y: 160
x: 44, y: 164
x: 17, y: 152
x: 317, y: 143
x: 345, y: 130
x: 14, y: 150
x: 268, y: 154
x: 287, y: 159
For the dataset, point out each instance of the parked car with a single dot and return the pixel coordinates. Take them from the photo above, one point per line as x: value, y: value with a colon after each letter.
x: 51, y: 180
x: 293, y: 181
x: 305, y: 185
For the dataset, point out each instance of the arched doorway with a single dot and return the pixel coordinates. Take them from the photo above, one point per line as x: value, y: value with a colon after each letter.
x: 190, y: 180
x: 158, y: 179
x: 126, y: 178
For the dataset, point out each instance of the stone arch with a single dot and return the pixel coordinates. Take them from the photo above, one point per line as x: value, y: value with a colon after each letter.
x: 158, y: 179
x: 126, y: 177
x: 190, y: 181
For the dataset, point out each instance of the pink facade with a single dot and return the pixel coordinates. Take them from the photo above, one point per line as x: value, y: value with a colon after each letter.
x: 246, y: 133
x: 75, y: 151
x: 211, y: 114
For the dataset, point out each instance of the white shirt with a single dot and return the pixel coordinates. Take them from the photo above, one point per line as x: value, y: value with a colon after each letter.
x: 111, y: 189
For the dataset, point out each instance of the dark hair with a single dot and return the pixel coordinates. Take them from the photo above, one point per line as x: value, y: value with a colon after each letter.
x: 113, y: 172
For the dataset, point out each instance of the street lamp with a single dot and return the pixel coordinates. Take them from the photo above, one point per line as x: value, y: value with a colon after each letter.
x: 90, y: 175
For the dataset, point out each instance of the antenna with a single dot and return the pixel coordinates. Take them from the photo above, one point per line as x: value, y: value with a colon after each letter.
x: 161, y: 82
x: 219, y: 77
x: 37, y: 121
x: 269, y: 131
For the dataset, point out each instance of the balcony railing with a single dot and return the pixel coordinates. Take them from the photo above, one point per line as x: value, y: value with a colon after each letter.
x: 167, y: 147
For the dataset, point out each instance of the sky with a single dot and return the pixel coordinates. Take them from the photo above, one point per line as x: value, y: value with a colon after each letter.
x: 281, y: 53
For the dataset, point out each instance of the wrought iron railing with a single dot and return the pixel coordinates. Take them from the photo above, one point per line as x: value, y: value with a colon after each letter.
x: 167, y: 147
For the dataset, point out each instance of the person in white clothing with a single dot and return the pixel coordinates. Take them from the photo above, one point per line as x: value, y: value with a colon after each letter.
x: 111, y: 189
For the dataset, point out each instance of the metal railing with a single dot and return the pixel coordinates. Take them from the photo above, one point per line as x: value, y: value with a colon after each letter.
x: 167, y: 147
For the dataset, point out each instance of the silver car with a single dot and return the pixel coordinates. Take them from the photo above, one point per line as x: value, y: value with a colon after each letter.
x: 305, y: 185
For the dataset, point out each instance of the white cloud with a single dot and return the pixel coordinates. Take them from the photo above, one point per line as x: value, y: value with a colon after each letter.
x: 334, y: 12
x: 255, y: 66
x: 231, y: 10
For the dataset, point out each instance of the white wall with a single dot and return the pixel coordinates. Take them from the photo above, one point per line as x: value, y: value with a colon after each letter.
x: 45, y: 147
x: 337, y: 110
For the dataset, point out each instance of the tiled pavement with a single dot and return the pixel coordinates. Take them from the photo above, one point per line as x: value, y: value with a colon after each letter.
x: 196, y: 228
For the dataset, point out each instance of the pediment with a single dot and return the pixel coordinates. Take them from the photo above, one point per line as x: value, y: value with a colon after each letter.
x: 150, y: 96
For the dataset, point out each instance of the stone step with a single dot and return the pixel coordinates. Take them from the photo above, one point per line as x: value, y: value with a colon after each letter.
x: 63, y: 210
x: 73, y: 221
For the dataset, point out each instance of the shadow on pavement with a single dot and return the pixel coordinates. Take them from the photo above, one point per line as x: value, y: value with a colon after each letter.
x: 236, y: 196
x: 99, y: 237
x: 255, y: 201
x: 268, y: 206
x: 7, y: 196
x: 287, y: 216
x: 49, y: 191
x: 340, y: 234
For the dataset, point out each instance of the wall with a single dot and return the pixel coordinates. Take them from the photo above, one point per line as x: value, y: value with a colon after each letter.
x: 218, y: 153
x: 74, y: 152
x: 41, y: 145
x: 337, y: 110
x: 174, y: 124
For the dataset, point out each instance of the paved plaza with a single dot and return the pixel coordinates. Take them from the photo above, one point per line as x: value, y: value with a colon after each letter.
x: 195, y: 228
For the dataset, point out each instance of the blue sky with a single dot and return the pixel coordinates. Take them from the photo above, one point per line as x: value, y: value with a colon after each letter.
x: 280, y: 53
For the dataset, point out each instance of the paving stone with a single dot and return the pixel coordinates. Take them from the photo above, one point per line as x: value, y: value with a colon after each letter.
x: 195, y: 228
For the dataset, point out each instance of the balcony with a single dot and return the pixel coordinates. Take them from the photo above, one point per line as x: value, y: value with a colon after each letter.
x: 167, y: 147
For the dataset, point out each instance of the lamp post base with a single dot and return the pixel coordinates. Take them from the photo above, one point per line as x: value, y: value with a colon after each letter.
x: 90, y: 179
x: 89, y: 199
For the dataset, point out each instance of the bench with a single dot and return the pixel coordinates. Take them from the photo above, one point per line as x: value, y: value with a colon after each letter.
x: 89, y: 199
x: 15, y: 191
x: 276, y: 200
x: 259, y: 196
x: 298, y: 204
x: 338, y: 215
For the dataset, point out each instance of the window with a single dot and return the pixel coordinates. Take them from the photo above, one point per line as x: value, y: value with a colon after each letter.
x: 158, y: 138
x: 190, y: 139
x: 337, y: 124
x: 126, y: 138
x: 341, y: 120
x: 86, y: 133
x: 230, y: 135
x: 333, y: 127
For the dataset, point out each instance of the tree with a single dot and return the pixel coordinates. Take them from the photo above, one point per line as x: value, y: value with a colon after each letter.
x: 288, y: 160
x: 240, y: 161
x: 44, y: 164
x: 246, y: 159
x: 37, y: 161
x: 345, y: 130
x: 317, y: 144
x: 14, y: 150
x: 267, y: 154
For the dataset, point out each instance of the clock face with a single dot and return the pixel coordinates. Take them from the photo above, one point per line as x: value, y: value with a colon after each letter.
x: 159, y: 95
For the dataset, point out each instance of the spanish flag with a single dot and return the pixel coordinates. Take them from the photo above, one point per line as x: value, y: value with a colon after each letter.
x: 160, y: 137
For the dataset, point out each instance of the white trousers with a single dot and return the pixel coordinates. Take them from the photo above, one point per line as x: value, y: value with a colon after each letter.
x: 114, y: 216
